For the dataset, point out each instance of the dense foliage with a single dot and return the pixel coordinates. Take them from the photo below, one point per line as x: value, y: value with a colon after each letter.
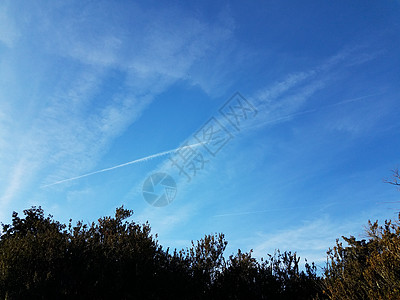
x: 116, y: 259
x: 41, y: 258
x: 366, y: 269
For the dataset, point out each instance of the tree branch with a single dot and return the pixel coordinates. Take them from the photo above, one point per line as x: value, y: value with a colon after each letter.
x: 395, y: 178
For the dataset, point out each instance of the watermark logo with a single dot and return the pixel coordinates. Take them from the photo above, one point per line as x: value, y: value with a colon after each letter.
x: 200, y: 148
x: 159, y: 189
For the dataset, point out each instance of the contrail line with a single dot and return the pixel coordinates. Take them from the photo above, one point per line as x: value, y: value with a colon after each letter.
x: 198, y: 144
x: 122, y: 165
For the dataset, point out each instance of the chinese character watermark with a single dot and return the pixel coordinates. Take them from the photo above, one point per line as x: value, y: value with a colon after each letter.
x: 189, y: 160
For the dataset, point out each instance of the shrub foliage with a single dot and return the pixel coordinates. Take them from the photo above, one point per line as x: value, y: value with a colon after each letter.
x: 116, y: 259
x: 113, y: 258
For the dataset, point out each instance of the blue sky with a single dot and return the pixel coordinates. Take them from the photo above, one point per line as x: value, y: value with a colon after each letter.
x: 89, y: 85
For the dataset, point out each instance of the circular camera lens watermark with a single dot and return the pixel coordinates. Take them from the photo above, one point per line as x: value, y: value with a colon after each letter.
x: 159, y: 189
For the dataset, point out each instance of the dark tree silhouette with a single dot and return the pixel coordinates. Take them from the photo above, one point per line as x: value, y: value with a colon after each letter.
x: 116, y: 259
x: 113, y: 258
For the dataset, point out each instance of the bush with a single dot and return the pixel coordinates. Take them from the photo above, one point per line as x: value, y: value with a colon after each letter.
x: 115, y: 259
x: 366, y: 269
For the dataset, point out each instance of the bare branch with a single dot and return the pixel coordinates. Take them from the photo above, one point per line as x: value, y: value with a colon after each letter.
x: 395, y: 178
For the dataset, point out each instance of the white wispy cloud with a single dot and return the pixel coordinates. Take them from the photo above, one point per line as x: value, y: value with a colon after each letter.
x: 279, y: 102
x: 242, y: 213
x: 168, y: 219
x: 313, y: 237
x: 14, y: 183
x: 71, y: 128
x: 8, y: 31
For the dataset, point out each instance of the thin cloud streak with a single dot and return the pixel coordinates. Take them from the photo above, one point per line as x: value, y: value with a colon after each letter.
x: 123, y: 165
x: 261, y: 99
x: 293, y: 115
x: 273, y: 210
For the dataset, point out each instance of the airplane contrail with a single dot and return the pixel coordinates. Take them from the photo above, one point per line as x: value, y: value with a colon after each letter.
x: 198, y: 144
x: 122, y: 165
